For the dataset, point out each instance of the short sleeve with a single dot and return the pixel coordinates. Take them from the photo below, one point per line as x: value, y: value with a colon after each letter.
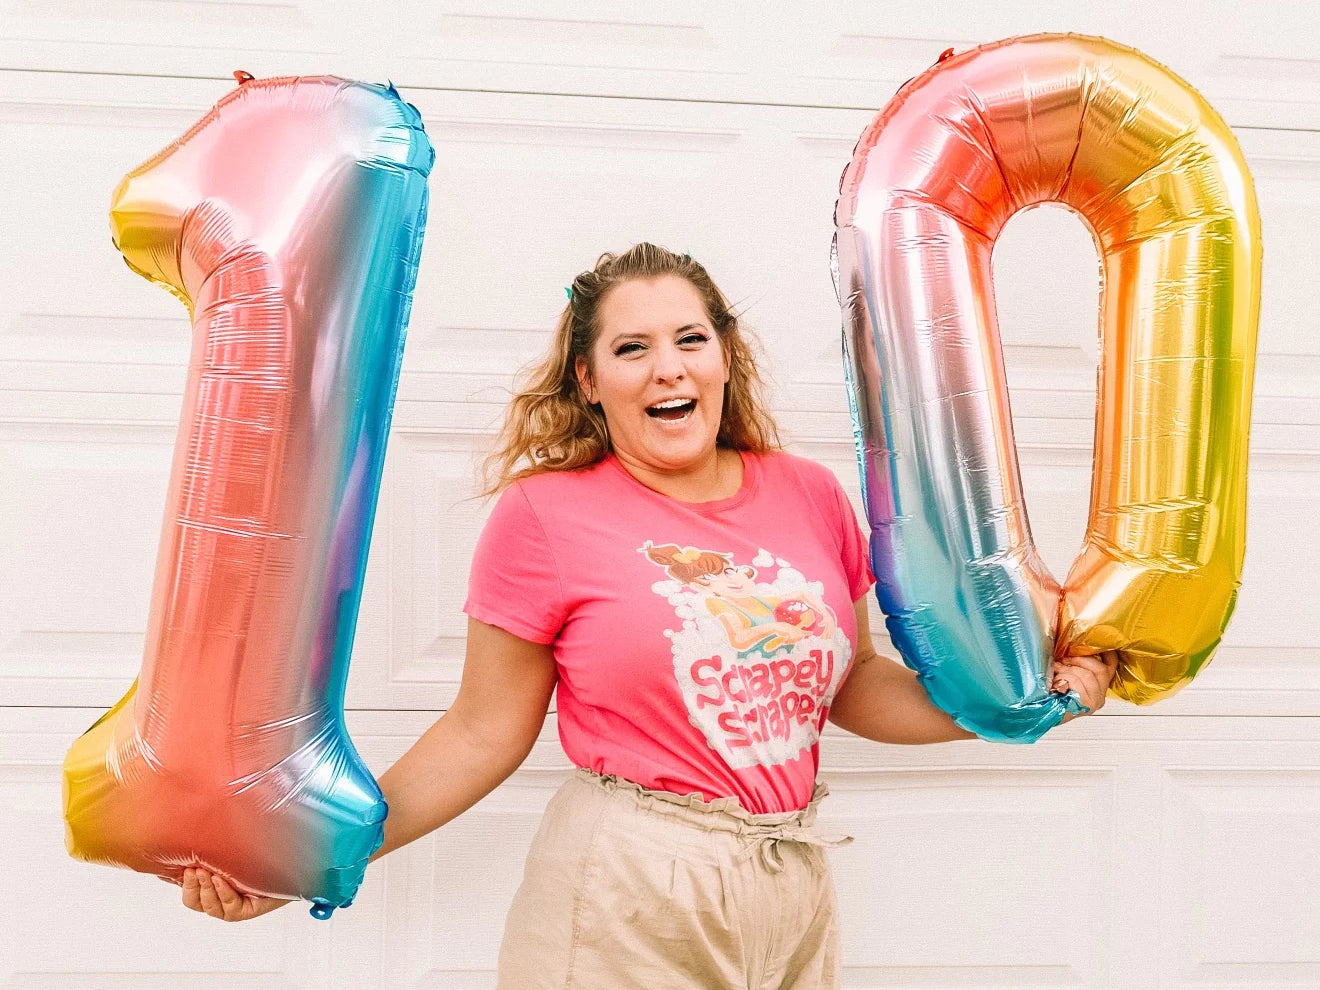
x: 514, y: 583
x: 855, y: 550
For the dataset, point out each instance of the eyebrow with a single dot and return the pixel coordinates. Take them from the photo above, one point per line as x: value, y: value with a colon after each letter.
x: 643, y: 336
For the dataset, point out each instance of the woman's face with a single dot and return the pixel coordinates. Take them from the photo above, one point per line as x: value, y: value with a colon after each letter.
x: 658, y: 371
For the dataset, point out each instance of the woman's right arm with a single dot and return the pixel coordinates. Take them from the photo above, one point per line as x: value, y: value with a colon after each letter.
x: 482, y: 739
x: 478, y: 743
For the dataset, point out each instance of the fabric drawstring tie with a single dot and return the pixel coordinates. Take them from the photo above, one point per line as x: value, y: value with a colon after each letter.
x: 761, y: 837
x: 767, y: 844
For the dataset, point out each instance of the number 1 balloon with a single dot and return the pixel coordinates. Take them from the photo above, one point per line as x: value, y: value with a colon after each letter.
x: 289, y: 220
x: 1159, y: 179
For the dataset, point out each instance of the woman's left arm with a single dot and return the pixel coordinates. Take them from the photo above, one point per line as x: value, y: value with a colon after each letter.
x: 881, y: 699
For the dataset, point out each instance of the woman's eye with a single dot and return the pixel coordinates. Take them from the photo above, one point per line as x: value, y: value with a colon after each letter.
x: 628, y: 349
x: 694, y: 338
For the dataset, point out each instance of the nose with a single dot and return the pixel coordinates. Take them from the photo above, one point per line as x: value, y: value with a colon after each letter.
x: 668, y: 363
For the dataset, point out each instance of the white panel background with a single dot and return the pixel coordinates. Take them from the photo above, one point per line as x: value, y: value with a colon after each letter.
x: 1174, y: 846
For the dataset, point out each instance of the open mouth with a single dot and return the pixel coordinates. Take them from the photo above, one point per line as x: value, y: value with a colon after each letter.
x: 673, y: 410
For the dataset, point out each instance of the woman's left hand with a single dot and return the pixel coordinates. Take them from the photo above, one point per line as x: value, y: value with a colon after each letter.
x: 1088, y: 676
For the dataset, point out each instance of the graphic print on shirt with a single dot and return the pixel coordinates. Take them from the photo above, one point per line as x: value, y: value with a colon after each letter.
x: 757, y: 663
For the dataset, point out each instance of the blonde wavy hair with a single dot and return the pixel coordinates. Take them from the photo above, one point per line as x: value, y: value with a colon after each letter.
x: 550, y: 425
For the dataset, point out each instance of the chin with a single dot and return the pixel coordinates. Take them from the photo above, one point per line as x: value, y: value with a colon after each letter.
x: 672, y: 457
x: 687, y: 450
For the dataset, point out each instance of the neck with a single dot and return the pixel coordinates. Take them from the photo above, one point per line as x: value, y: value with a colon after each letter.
x: 716, y: 476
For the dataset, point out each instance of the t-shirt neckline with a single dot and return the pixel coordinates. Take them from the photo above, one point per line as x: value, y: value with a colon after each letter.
x: 750, y: 476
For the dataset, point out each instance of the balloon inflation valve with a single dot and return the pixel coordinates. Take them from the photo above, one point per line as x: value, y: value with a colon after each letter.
x: 321, y: 911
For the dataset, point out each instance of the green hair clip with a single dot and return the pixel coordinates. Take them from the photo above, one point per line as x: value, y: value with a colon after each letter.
x: 568, y: 291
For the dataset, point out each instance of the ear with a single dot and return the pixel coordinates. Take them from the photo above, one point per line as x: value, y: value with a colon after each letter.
x: 583, y: 373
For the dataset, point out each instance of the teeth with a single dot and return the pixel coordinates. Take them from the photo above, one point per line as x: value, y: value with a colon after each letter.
x: 671, y: 404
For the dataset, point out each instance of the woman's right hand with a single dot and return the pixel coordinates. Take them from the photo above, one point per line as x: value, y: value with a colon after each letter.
x: 212, y: 894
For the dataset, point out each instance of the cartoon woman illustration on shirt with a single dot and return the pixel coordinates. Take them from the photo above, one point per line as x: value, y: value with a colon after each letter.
x: 755, y: 623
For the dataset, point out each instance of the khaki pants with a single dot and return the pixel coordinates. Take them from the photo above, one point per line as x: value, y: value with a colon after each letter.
x: 628, y: 887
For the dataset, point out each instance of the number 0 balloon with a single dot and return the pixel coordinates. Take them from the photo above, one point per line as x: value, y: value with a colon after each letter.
x: 289, y: 220
x: 1161, y: 182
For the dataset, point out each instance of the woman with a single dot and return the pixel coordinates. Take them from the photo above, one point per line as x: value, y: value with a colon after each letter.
x: 699, y: 597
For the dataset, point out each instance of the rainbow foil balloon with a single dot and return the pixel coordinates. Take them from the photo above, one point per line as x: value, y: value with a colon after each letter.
x: 1160, y: 181
x: 289, y: 220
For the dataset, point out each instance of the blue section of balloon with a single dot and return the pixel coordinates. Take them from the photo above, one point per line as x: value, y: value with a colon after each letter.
x: 395, y: 202
x: 960, y: 606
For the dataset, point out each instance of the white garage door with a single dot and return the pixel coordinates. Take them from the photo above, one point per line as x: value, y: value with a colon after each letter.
x: 1176, y: 846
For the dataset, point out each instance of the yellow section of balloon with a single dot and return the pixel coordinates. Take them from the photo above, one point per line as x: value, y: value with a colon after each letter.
x: 1159, y: 574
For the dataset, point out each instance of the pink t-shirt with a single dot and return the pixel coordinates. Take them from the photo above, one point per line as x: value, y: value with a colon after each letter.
x: 698, y: 645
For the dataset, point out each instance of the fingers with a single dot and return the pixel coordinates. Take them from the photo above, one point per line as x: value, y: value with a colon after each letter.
x: 1097, y: 665
x: 1087, y: 676
x: 192, y: 895
x: 231, y: 902
x: 1079, y: 675
x: 210, y: 902
x: 211, y: 895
